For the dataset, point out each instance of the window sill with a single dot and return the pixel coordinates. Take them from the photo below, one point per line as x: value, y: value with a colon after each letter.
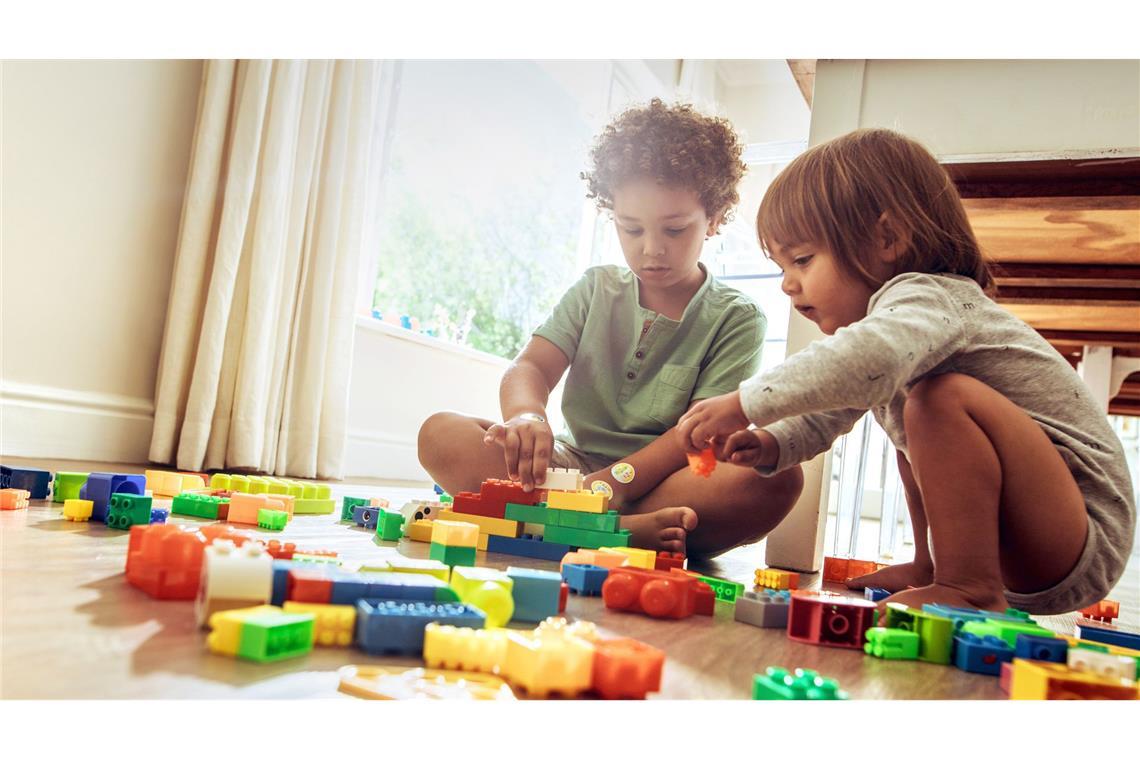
x: 400, y: 333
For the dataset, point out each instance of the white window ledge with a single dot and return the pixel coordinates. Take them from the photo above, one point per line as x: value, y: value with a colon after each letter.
x: 371, y: 324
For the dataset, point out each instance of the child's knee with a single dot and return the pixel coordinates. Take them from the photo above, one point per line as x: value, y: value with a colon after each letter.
x: 434, y: 433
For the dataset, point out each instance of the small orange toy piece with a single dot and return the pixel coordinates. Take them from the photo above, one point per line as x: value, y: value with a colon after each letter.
x: 626, y: 669
x: 702, y: 464
x: 14, y: 498
x: 1106, y: 610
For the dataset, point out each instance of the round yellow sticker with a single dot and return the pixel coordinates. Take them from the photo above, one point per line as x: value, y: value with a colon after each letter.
x: 622, y: 472
x: 602, y: 487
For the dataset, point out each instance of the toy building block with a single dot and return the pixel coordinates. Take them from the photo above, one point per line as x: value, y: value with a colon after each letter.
x: 158, y: 516
x: 626, y: 669
x: 726, y: 591
x: 1003, y: 629
x: 1101, y: 664
x: 579, y: 501
x: 981, y: 654
x: 549, y: 661
x: 959, y: 616
x: 14, y: 498
x: 453, y: 556
x: 348, y: 504
x: 840, y: 569
x: 472, y: 649
x: 199, y: 505
x: 1107, y: 634
x: 66, y: 485
x: 421, y: 509
x: 376, y: 682
x: 935, y: 633
x: 892, y: 644
x: 78, y: 510
x: 454, y: 533
x: 125, y: 510
x: 654, y: 593
x: 262, y: 634
x: 419, y: 530
x: 165, y: 561
x: 389, y: 524
x: 396, y: 626
x: 1035, y: 679
x: 491, y: 526
x: 670, y: 560
x: 1047, y: 648
x: 100, y: 485
x: 586, y: 580
x: 606, y: 522
x: 271, y: 519
x: 779, y: 580
x: 562, y: 479
x: 36, y: 482
x: 527, y: 546
x: 318, y: 506
x: 586, y: 539
x: 487, y: 589
x: 874, y: 594
x: 366, y: 516
x: 778, y: 684
x: 244, y: 507
x: 535, y: 593
x: 608, y: 557
x: 646, y: 559
x: 1005, y: 677
x: 1105, y: 611
x: 233, y: 577
x: 764, y: 609
x: 702, y: 464
x: 527, y: 513
x: 829, y: 619
x: 348, y: 587
x: 563, y: 596
x: 401, y: 564
x: 170, y: 484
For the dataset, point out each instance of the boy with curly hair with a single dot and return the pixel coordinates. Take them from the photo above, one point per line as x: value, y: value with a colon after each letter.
x: 642, y: 345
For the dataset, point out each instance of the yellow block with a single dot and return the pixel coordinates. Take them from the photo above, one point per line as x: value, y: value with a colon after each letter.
x: 579, y: 501
x: 225, y: 635
x: 599, y: 557
x: 489, y: 526
x: 1034, y: 679
x: 549, y: 661
x: 454, y: 533
x: 1112, y: 649
x: 776, y: 579
x: 333, y: 625
x: 643, y: 558
x: 483, y: 650
x: 420, y: 530
x: 481, y: 544
x: 431, y: 567
x: 78, y: 510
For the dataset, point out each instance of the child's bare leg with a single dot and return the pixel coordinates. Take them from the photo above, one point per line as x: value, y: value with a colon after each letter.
x: 734, y: 506
x: 1003, y: 508
x: 918, y: 572
x: 451, y: 449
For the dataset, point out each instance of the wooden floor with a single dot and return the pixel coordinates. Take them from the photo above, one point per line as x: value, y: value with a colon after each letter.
x: 71, y: 627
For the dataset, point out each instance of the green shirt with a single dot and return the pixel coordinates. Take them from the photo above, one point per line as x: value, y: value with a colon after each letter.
x: 634, y: 372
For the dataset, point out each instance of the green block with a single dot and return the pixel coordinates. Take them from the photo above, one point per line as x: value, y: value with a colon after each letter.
x: 1004, y: 630
x: 389, y: 525
x: 349, y: 503
x: 258, y: 484
x: 778, y: 684
x: 568, y: 518
x: 66, y: 485
x: 315, y: 559
x: 453, y: 555
x: 445, y: 498
x: 726, y: 591
x: 936, y: 633
x: 197, y: 505
x: 269, y: 638
x: 531, y: 513
x: 314, y: 506
x: 892, y: 644
x: 272, y: 519
x: 127, y: 509
x: 584, y: 539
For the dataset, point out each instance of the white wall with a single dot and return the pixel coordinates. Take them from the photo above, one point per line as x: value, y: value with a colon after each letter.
x: 94, y: 160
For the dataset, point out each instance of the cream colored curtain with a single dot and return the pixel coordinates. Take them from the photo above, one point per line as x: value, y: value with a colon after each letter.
x: 258, y: 341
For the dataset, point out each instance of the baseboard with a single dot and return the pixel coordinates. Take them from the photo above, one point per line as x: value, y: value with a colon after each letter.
x: 373, y: 454
x: 61, y: 423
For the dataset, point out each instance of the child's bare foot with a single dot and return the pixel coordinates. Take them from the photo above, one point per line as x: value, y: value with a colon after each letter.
x: 980, y: 598
x: 894, y: 578
x: 664, y: 530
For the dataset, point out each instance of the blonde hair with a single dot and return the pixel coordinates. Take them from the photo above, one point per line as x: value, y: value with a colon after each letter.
x: 835, y: 193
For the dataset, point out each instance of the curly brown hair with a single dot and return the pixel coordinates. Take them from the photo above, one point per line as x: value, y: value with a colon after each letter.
x: 675, y: 145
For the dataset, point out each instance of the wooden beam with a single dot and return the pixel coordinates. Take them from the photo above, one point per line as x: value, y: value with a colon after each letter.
x: 1125, y: 408
x: 1045, y: 179
x: 803, y: 70
x: 1124, y: 342
x: 1077, y: 296
x: 1111, y: 319
x: 1079, y: 275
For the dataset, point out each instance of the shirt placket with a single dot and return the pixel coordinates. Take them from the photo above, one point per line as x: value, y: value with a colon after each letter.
x: 637, y: 359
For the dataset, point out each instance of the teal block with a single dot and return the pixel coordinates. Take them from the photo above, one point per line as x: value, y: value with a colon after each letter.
x: 349, y: 503
x: 529, y: 513
x: 584, y: 539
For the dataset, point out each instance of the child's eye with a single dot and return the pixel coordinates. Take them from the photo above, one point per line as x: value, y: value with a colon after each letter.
x: 801, y: 260
x: 631, y: 232
x: 673, y: 232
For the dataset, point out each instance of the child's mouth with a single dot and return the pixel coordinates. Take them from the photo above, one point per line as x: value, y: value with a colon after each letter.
x: 807, y: 311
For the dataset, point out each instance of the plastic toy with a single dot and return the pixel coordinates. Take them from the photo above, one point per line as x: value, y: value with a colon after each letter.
x: 936, y: 633
x: 480, y: 650
x: 981, y: 654
x: 375, y: 682
x: 78, y: 510
x: 549, y: 661
x: 348, y: 503
x: 396, y: 626
x: 764, y: 609
x: 829, y: 619
x: 1003, y: 629
x: 125, y: 510
x: 14, y: 498
x: 1105, y: 611
x: 841, y: 569
x: 726, y: 591
x: 535, y: 592
x: 1106, y: 634
x: 165, y: 561
x: 702, y: 464
x: 453, y: 556
x: 272, y: 519
x: 586, y: 580
x: 527, y: 546
x: 559, y: 479
x: 199, y: 505
x: 586, y: 539
x: 608, y: 557
x: 389, y: 524
x: 778, y: 684
x: 604, y: 522
x: 491, y: 526
x: 489, y: 590
x: 454, y: 533
x: 776, y: 579
x: 366, y: 516
x: 244, y: 507
x: 1101, y: 663
x: 669, y: 560
x: 892, y: 644
x: 66, y: 485
x: 261, y: 634
x: 526, y: 513
x: 158, y: 516
x: 421, y: 509
x: 578, y: 501
x: 420, y: 530
x: 873, y: 594
x: 35, y: 482
x: 1047, y: 648
x: 432, y: 567
x: 233, y: 577
x: 333, y: 624
x: 348, y: 587
x: 171, y: 484
x: 626, y: 669
x: 100, y: 485
x: 654, y: 593
x: 646, y: 559
x: 1035, y: 679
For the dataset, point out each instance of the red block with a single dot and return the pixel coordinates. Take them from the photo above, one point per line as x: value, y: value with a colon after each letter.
x: 1106, y: 610
x: 563, y: 595
x: 308, y: 586
x: 165, y: 560
x: 669, y: 560
x: 467, y: 503
x: 626, y: 669
x: 655, y: 593
x: 276, y: 550
x: 830, y: 619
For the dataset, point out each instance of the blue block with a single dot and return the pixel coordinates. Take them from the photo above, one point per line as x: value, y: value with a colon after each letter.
x: 280, y: 592
x: 975, y: 654
x: 535, y: 593
x: 962, y: 615
x: 365, y: 517
x: 1044, y: 648
x: 396, y: 626
x: 348, y: 588
x: 527, y: 546
x: 586, y: 580
x: 875, y: 594
x: 1113, y: 636
x: 29, y: 479
x: 159, y: 515
x: 100, y: 486
x: 437, y: 489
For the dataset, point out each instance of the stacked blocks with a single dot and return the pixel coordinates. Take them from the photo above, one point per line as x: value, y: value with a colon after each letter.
x: 333, y: 624
x: 14, y: 498
x: 244, y: 507
x: 777, y: 683
x: 170, y: 484
x: 35, y: 482
x: 536, y: 593
x: 764, y: 609
x: 78, y: 510
x: 829, y: 619
x: 200, y: 505
x: 586, y: 580
x: 349, y: 504
x: 491, y: 591
x: 1089, y: 631
x: 981, y: 654
x: 125, y: 510
x: 396, y: 626
x: 165, y: 561
x: 100, y: 486
x: 626, y: 669
x: 67, y: 485
x: 347, y: 588
x: 669, y: 560
x: 559, y: 479
x: 453, y: 543
x: 892, y: 644
x: 261, y: 634
x: 657, y: 594
x: 1101, y: 663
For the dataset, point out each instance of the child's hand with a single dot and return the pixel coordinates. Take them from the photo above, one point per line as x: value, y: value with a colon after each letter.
x: 527, y: 444
x: 711, y: 420
x: 750, y: 448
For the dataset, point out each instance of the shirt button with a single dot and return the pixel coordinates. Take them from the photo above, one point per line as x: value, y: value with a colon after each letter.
x: 640, y: 354
x: 630, y: 375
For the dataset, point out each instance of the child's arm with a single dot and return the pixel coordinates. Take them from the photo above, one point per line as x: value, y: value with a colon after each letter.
x: 651, y: 465
x: 527, y: 442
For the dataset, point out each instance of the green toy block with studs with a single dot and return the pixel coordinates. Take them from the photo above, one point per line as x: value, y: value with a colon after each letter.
x: 892, y: 644
x: 1005, y: 630
x: 726, y: 591
x: 529, y: 513
x: 349, y: 504
x: 276, y: 637
x: 569, y: 518
x: 127, y: 509
x: 453, y: 555
x: 197, y: 505
x: 389, y: 524
x: 935, y: 633
x: 272, y: 519
x: 779, y: 684
x: 584, y: 539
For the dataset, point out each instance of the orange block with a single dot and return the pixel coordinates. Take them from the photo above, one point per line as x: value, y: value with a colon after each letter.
x: 14, y: 498
x: 244, y: 506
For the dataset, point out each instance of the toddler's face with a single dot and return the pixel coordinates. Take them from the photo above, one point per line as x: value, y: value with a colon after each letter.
x: 819, y: 288
x: 661, y: 229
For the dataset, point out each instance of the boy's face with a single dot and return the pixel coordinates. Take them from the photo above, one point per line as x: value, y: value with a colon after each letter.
x: 819, y: 288
x: 662, y: 230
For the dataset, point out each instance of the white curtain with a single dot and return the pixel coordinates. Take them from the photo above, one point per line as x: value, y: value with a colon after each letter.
x: 258, y: 341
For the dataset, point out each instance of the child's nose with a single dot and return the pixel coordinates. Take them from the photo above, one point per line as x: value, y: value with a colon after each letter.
x: 654, y: 245
x: 789, y: 285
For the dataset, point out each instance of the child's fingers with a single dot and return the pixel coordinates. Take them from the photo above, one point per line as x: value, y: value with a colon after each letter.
x: 511, y: 451
x: 526, y: 460
x: 495, y: 434
x: 543, y: 444
x: 745, y: 457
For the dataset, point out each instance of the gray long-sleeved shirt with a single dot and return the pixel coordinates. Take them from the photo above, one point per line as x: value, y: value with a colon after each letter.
x: 919, y: 325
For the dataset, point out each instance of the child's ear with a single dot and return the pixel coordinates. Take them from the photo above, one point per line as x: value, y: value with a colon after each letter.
x: 893, y: 240
x: 714, y: 224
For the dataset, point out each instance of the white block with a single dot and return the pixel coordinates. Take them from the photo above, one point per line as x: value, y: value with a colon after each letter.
x: 235, y: 573
x: 563, y: 479
x: 1101, y: 663
x: 422, y: 509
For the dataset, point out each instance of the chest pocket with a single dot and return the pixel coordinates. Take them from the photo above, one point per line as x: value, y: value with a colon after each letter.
x: 671, y: 392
